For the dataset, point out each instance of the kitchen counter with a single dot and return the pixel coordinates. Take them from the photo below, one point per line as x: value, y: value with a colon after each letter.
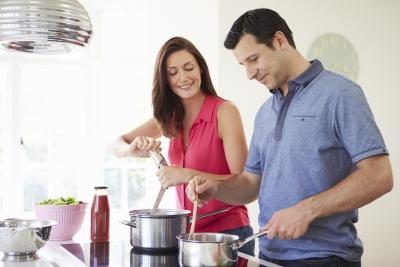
x: 113, y: 254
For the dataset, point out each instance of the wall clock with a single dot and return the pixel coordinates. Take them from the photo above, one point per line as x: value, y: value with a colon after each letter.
x: 336, y: 54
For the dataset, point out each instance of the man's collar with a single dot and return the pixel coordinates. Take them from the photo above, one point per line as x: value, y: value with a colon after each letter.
x: 306, y: 77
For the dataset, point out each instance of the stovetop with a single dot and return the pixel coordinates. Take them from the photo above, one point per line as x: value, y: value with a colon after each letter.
x: 122, y: 254
x: 112, y: 254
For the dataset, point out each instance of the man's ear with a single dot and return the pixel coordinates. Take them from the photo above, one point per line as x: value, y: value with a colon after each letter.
x: 280, y: 41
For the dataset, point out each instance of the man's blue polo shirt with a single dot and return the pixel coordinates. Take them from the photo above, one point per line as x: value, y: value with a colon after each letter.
x: 304, y: 144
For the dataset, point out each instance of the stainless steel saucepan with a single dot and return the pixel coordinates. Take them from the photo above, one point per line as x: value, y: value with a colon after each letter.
x: 211, y: 249
x: 158, y: 231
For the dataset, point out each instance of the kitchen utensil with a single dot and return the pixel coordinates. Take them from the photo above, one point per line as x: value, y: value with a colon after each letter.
x: 158, y: 200
x: 211, y: 249
x: 195, y: 204
x: 159, y: 160
x: 20, y: 238
x: 153, y: 232
x: 193, y: 224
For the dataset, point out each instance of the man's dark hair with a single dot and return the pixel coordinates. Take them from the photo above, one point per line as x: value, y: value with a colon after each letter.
x: 262, y: 23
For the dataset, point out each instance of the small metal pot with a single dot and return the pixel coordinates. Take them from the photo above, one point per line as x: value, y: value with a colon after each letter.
x: 210, y: 249
x: 158, y: 231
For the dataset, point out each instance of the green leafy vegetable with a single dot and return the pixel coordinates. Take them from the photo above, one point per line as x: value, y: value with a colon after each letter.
x: 59, y: 201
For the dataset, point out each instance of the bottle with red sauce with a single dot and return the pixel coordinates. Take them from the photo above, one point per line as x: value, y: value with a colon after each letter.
x: 100, y: 216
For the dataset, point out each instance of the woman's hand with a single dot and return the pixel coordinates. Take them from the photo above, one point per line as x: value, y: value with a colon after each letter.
x: 172, y: 176
x: 141, y: 146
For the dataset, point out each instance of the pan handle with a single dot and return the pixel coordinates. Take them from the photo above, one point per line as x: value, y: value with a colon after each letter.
x: 129, y: 223
x: 238, y: 244
x: 210, y: 214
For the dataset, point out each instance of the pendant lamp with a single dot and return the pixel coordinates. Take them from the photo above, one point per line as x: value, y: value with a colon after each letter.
x: 43, y: 26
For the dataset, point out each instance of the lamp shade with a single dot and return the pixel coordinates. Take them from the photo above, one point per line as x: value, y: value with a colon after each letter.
x: 43, y: 26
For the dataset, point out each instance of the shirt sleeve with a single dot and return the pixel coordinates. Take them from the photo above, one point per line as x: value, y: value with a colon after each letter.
x: 253, y: 163
x: 355, y: 126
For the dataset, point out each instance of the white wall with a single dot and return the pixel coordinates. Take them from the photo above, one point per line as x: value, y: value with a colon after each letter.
x: 373, y: 28
x: 194, y: 20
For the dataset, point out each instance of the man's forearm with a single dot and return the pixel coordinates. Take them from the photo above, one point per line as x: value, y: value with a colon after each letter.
x: 213, y: 176
x: 371, y: 180
x: 239, y: 190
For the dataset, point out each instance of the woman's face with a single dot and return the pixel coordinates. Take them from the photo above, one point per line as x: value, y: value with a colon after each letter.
x: 184, y: 75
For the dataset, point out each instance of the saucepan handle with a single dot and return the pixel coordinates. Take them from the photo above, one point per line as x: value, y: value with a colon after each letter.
x: 209, y: 214
x: 239, y: 243
x: 129, y: 223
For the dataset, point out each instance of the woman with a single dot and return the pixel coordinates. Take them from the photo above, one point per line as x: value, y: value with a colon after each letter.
x: 205, y: 131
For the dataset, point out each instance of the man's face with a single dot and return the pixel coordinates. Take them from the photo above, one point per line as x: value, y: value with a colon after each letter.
x: 261, y: 62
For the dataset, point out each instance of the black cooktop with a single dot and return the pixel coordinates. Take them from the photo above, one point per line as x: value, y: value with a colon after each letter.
x: 121, y: 254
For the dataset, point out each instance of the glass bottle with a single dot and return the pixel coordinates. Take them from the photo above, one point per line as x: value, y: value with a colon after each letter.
x: 100, y: 216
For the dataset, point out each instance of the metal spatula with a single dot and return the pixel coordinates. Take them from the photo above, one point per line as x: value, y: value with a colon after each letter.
x: 159, y: 160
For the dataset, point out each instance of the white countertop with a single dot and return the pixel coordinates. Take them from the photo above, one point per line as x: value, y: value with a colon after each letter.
x: 51, y: 255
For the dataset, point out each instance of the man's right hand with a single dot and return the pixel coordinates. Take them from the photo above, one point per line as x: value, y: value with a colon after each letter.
x: 205, y: 189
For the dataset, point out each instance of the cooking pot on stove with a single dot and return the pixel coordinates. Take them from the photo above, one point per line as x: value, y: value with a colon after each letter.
x: 158, y: 231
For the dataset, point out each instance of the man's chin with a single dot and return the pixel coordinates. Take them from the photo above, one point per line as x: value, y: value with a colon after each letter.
x: 266, y: 86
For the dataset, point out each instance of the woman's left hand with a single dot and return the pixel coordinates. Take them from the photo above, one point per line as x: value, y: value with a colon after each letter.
x: 171, y: 176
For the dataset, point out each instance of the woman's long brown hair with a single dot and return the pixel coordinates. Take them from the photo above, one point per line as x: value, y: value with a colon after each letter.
x: 168, y: 109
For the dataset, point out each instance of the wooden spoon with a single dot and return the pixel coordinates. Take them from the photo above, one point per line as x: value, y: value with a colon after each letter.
x: 194, y: 217
x: 195, y: 204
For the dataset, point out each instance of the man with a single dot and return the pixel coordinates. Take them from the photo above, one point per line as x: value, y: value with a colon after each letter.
x: 316, y: 154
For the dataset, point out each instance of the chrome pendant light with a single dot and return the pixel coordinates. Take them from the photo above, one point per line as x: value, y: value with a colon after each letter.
x: 43, y: 26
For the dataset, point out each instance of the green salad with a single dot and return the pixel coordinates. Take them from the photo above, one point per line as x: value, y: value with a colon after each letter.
x: 59, y: 201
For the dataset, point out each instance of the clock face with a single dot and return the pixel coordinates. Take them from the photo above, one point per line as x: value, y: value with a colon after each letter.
x: 336, y: 54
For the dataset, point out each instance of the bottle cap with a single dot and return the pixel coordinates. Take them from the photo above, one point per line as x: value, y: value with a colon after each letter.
x: 100, y: 187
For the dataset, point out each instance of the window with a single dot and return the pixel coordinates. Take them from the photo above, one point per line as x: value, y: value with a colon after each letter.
x: 3, y: 133
x: 59, y: 113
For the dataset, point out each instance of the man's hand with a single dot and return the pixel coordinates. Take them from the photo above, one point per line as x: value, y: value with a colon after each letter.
x: 172, y: 176
x: 289, y: 223
x: 205, y: 189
